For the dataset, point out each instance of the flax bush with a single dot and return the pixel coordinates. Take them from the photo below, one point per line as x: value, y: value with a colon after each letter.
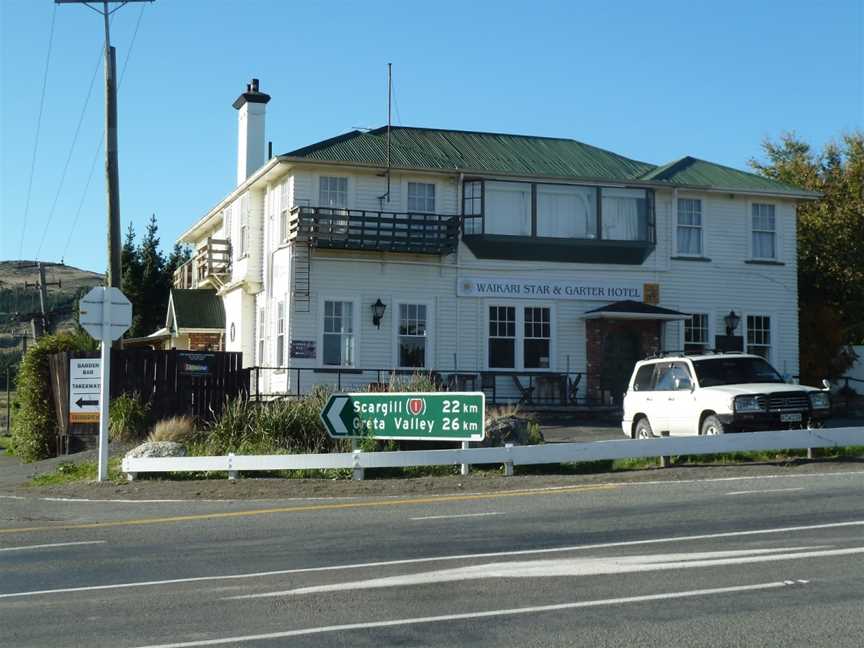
x: 127, y: 418
x: 274, y: 427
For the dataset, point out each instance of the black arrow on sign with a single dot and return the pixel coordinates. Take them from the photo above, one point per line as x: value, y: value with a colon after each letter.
x: 81, y: 402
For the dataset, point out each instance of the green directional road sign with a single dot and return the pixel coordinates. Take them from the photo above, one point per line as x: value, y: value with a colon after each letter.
x: 438, y: 416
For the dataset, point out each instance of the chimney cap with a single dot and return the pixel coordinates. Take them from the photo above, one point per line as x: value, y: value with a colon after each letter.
x: 252, y: 95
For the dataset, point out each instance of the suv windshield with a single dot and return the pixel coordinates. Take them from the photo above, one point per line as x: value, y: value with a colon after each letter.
x: 734, y: 371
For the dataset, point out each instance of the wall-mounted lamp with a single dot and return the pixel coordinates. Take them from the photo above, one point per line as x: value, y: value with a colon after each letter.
x: 732, y: 321
x: 378, y: 309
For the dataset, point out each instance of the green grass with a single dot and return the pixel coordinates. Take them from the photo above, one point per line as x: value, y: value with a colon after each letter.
x: 68, y: 472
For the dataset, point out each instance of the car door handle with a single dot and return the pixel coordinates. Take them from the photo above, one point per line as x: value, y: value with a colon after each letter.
x: 671, y: 398
x: 649, y: 399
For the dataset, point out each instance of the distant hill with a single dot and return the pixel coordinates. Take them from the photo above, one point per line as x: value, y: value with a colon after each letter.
x: 17, y: 302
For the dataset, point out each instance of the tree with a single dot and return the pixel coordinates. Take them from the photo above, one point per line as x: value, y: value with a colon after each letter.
x: 830, y: 246
x: 148, y: 277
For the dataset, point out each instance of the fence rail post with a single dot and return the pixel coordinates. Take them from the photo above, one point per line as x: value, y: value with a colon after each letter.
x: 464, y: 468
x: 232, y: 474
x: 357, y: 472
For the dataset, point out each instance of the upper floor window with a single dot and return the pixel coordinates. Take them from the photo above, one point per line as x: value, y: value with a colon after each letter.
x: 244, y: 225
x: 696, y: 333
x: 566, y: 211
x: 689, y: 226
x: 764, y: 232
x: 421, y: 197
x: 472, y: 207
x: 624, y: 214
x: 284, y: 206
x: 226, y: 221
x: 507, y: 209
x: 333, y: 192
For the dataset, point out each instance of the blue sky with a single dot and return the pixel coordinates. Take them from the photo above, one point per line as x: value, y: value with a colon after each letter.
x: 653, y: 81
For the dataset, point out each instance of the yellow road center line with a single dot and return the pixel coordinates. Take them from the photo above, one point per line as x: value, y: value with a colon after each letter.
x: 315, y: 507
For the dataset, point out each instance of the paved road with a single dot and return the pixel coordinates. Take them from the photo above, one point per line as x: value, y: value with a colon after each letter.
x: 730, y: 562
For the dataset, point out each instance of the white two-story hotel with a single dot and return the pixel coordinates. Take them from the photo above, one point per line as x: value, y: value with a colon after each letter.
x: 527, y: 266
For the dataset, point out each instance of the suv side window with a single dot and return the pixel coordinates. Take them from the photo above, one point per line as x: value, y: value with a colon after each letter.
x: 668, y: 373
x: 644, y: 378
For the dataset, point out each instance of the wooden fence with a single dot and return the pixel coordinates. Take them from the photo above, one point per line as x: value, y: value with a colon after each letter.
x: 174, y: 383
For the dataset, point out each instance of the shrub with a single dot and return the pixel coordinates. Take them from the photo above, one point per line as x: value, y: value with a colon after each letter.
x: 34, y: 429
x: 245, y: 427
x: 179, y: 429
x: 127, y: 418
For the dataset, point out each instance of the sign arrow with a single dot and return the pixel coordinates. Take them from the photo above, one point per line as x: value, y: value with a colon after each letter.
x: 331, y: 416
x: 84, y: 403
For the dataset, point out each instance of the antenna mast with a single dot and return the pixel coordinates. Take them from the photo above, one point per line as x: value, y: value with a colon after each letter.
x: 389, y: 104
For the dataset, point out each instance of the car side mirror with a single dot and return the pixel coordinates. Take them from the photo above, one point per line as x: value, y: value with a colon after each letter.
x: 826, y: 385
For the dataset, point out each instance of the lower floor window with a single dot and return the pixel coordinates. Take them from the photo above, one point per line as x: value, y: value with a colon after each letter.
x: 696, y: 333
x: 339, y: 333
x: 519, y: 334
x: 280, y: 334
x: 538, y: 334
x: 412, y: 335
x: 759, y: 335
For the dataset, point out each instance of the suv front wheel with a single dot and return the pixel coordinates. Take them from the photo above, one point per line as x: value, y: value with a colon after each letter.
x: 643, y: 429
x: 711, y: 426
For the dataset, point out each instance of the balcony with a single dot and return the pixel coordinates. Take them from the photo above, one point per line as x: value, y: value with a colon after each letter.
x: 377, y: 231
x: 209, y: 268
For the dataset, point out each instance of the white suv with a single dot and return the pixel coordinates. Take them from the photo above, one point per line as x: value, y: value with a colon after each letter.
x: 712, y: 394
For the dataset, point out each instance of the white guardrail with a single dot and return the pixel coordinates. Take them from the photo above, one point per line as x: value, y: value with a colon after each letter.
x: 509, y: 456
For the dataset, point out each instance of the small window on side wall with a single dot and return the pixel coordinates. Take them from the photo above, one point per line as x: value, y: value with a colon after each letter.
x: 421, y: 197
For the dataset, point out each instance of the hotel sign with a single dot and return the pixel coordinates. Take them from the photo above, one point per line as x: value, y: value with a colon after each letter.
x: 542, y: 288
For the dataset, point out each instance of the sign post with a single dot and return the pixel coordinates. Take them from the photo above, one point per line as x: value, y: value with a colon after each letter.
x: 105, y: 314
x: 423, y: 416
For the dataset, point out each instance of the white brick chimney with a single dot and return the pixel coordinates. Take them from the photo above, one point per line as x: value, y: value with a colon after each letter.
x: 251, y: 146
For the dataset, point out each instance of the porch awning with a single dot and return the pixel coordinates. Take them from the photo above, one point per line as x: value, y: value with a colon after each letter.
x: 634, y: 310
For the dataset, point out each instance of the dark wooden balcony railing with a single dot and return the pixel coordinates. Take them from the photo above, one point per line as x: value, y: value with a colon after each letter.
x: 359, y: 229
x: 212, y: 260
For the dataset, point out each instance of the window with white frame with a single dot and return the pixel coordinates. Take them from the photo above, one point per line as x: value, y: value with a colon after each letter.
x: 244, y: 225
x: 696, y: 333
x: 280, y: 334
x: 333, y: 192
x: 226, y: 221
x: 421, y: 197
x: 689, y: 226
x: 502, y: 337
x: 412, y: 335
x: 537, y: 337
x: 283, y: 212
x: 472, y: 206
x: 764, y: 232
x: 338, y: 333
x: 759, y: 335
x: 261, y: 329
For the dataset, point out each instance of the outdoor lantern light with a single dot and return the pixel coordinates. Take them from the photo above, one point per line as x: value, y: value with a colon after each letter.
x: 378, y: 312
x: 731, y: 322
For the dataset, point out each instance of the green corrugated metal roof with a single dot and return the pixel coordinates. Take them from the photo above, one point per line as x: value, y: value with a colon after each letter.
x: 197, y: 309
x: 426, y: 148
x: 524, y: 155
x: 694, y: 172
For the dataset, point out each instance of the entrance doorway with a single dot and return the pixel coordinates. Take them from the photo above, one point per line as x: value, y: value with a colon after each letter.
x: 621, y: 352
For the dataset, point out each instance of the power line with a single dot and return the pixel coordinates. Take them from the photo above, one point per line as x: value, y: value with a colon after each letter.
x: 38, y: 129
x: 101, y: 138
x: 71, y: 150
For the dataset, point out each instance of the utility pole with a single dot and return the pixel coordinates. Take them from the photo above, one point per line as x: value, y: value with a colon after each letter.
x: 42, y: 286
x: 111, y: 170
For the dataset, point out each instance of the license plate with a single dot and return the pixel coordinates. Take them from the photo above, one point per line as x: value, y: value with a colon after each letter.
x: 790, y: 418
